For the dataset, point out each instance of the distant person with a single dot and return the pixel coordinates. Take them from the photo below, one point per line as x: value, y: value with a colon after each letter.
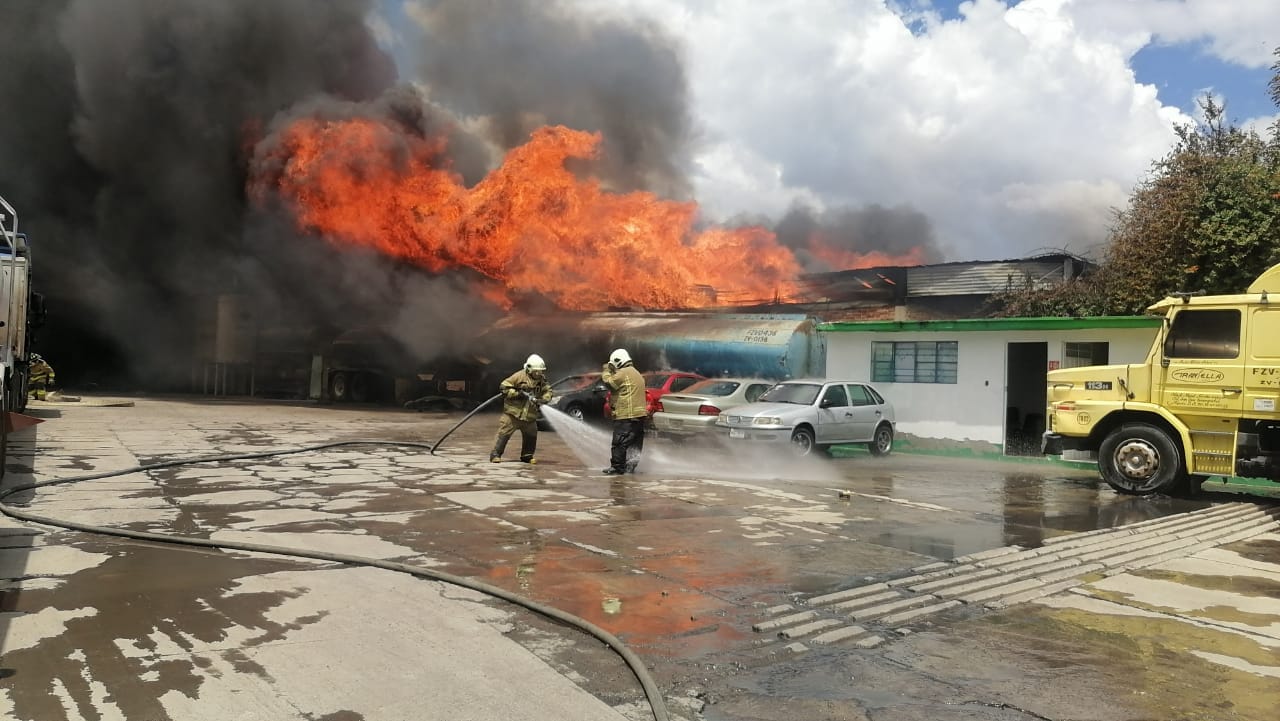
x: 40, y: 378
x: 522, y: 393
x: 629, y: 412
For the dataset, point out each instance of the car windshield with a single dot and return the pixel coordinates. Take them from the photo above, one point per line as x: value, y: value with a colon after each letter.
x: 713, y: 388
x: 799, y: 393
x: 573, y: 383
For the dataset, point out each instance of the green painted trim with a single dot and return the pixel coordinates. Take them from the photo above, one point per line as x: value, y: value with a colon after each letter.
x: 993, y: 324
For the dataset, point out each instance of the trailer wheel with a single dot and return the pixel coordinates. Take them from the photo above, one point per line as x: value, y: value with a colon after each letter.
x: 340, y: 387
x: 802, y: 443
x: 1140, y: 459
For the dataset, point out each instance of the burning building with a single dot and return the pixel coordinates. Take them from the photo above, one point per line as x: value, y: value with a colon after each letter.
x: 222, y: 194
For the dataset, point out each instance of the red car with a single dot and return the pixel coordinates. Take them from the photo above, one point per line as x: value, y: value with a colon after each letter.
x: 656, y: 385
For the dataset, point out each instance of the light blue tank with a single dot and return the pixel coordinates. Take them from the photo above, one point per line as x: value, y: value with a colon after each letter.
x: 711, y: 344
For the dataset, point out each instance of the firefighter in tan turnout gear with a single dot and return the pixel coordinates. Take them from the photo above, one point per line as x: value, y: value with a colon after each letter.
x: 630, y: 410
x: 40, y: 379
x: 522, y: 393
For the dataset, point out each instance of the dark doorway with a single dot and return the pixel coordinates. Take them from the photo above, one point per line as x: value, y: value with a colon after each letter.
x: 1025, y: 368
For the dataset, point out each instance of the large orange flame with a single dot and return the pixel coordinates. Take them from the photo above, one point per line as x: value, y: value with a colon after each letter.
x: 531, y: 225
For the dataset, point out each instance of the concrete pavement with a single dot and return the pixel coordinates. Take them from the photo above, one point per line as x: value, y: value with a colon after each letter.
x: 100, y: 628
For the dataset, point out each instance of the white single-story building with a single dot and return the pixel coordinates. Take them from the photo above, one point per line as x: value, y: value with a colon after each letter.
x: 978, y: 383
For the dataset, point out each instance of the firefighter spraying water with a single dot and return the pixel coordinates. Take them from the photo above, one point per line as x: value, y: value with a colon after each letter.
x: 523, y: 393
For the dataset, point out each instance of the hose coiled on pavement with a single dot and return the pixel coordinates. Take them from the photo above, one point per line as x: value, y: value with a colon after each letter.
x: 651, y: 692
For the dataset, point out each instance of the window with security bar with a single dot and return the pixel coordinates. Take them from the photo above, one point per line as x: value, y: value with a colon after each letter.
x: 1077, y: 355
x: 914, y: 361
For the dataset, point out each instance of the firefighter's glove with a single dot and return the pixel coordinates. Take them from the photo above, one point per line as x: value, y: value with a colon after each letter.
x: 512, y: 393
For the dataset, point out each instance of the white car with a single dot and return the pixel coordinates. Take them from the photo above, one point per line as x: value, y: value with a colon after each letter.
x: 693, y: 411
x: 814, y: 414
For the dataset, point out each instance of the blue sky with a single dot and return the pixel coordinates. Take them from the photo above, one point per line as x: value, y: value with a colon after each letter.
x: 1012, y: 125
x: 1180, y: 71
x: 1186, y: 71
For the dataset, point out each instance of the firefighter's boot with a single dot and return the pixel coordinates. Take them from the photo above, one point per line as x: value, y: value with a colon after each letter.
x: 528, y: 444
x: 499, y: 447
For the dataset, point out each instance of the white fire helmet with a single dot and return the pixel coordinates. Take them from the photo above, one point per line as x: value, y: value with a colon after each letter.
x: 620, y: 358
x: 535, y: 364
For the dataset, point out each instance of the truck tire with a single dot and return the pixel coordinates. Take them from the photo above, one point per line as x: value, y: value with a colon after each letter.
x: 360, y: 387
x: 1139, y: 459
x: 24, y: 390
x: 4, y: 428
x: 340, y: 387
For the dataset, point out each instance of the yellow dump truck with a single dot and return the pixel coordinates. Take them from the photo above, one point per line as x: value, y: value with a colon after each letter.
x: 1205, y: 402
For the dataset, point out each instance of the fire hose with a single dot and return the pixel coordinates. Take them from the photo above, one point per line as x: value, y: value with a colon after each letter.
x: 650, y: 688
x: 478, y: 408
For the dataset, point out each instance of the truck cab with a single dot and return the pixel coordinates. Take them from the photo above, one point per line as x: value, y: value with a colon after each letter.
x: 1203, y: 404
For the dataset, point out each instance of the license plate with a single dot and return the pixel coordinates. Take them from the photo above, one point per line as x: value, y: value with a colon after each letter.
x: 737, y: 433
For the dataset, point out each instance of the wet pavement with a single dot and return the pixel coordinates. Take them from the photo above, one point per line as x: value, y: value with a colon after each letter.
x: 689, y: 562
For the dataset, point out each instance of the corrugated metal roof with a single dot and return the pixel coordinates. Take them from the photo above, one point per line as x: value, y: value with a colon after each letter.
x: 982, y: 278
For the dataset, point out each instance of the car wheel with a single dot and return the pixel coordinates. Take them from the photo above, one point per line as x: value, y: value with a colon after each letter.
x: 576, y: 412
x: 1140, y: 459
x: 882, y: 443
x: 802, y: 443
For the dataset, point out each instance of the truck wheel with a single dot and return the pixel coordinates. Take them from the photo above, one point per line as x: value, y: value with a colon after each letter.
x: 24, y: 389
x: 802, y: 443
x: 4, y: 428
x: 340, y: 387
x: 882, y: 443
x: 1140, y: 459
x: 360, y: 387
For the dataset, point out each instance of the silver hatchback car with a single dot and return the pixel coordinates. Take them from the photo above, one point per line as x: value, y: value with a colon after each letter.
x: 814, y: 414
x: 693, y: 411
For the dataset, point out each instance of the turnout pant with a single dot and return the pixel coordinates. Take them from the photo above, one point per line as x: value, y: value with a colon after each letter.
x: 508, y: 425
x: 628, y: 441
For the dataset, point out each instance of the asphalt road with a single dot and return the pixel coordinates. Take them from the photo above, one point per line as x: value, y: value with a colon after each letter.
x: 752, y: 586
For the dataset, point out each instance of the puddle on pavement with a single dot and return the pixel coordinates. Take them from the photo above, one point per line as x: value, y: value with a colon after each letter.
x: 182, y: 598
x: 1034, y: 507
x: 1259, y: 549
x: 1150, y: 652
x: 1243, y: 585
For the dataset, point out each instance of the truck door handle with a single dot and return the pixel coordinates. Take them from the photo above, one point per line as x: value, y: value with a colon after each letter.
x: 1230, y: 391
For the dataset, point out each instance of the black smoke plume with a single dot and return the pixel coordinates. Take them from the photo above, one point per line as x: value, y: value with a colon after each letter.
x: 521, y: 64
x: 896, y: 232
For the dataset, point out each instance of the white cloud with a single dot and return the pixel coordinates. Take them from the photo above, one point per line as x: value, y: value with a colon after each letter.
x: 1262, y: 124
x: 1012, y: 128
x: 1237, y: 31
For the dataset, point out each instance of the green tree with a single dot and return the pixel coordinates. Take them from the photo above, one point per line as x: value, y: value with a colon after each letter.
x: 1207, y: 217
